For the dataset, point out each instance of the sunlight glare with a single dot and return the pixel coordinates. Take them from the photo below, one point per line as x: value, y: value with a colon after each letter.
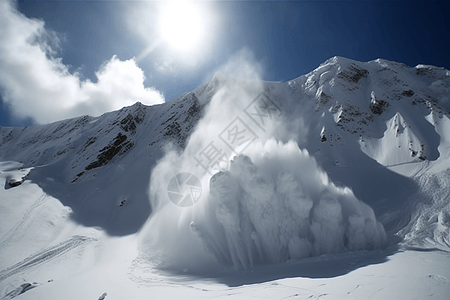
x: 181, y: 25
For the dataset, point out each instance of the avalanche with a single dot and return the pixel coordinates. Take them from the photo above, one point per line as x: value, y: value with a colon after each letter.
x: 279, y: 207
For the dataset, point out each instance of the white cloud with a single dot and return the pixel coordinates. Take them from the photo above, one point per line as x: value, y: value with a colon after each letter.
x: 36, y: 84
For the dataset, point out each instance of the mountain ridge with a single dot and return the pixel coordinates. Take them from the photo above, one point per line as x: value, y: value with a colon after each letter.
x: 377, y: 114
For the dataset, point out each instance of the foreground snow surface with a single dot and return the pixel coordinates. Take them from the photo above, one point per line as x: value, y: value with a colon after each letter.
x: 64, y: 260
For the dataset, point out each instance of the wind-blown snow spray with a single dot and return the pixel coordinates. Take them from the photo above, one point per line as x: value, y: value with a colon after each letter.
x: 270, y: 204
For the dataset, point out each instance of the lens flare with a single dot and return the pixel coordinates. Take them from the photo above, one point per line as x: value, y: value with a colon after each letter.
x: 181, y: 25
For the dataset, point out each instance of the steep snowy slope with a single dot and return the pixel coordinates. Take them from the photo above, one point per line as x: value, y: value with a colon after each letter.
x: 332, y: 153
x: 74, y: 158
x: 381, y: 128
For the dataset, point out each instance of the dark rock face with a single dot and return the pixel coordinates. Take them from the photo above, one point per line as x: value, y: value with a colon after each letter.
x: 118, y: 146
x: 129, y: 122
x: 378, y: 106
x: 353, y: 74
x: 179, y: 126
x: 13, y: 183
x: 408, y: 93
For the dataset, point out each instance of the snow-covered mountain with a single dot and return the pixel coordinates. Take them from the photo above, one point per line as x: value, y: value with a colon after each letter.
x: 79, y: 153
x: 382, y: 128
x: 355, y: 143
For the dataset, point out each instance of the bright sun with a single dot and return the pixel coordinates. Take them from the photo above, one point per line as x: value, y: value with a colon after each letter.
x: 181, y: 25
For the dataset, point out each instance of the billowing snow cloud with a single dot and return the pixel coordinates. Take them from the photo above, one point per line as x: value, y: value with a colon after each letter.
x: 442, y: 90
x: 36, y: 84
x: 281, y: 206
x: 270, y: 204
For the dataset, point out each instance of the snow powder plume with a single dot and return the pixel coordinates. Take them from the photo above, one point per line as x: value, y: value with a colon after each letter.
x: 276, y: 204
x: 267, y: 203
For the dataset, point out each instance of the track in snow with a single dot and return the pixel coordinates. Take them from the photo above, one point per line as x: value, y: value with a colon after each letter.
x: 46, y: 255
x: 6, y: 239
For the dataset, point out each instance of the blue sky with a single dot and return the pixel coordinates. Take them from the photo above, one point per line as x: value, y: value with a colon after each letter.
x: 79, y: 39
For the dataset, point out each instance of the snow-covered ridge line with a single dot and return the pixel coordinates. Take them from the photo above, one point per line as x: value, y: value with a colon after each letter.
x: 89, y: 143
x: 354, y: 93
